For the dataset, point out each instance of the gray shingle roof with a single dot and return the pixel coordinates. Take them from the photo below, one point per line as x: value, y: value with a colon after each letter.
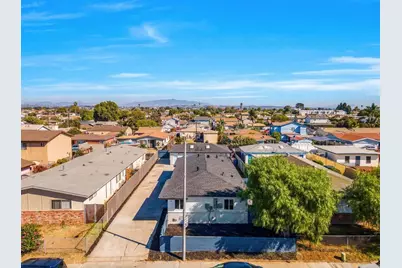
x: 200, y: 148
x: 272, y: 148
x: 84, y: 175
x: 206, y: 176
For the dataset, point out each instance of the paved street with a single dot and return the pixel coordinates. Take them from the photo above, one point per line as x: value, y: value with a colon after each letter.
x: 202, y: 264
x: 129, y: 234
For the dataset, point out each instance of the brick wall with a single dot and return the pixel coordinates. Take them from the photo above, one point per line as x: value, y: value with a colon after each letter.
x: 53, y: 217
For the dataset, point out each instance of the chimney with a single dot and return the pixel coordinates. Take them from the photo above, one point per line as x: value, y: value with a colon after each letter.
x: 198, y: 168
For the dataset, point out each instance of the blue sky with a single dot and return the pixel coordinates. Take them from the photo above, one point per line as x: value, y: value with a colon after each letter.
x: 219, y: 52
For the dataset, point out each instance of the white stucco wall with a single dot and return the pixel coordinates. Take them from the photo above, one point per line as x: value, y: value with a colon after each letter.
x: 352, y: 162
x: 198, y: 214
x: 107, y: 190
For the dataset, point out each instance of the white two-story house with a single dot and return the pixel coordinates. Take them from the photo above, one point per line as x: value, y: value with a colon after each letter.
x: 212, y: 186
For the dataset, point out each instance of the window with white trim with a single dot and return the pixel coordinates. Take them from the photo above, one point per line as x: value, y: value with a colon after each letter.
x: 178, y: 204
x: 347, y: 159
x: 61, y: 204
x: 228, y: 204
x: 368, y: 159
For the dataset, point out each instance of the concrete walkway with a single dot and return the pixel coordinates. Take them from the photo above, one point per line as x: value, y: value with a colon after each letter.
x: 129, y: 234
x: 202, y: 264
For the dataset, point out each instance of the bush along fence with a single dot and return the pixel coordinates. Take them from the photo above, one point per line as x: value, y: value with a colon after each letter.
x: 113, y: 205
x: 226, y: 243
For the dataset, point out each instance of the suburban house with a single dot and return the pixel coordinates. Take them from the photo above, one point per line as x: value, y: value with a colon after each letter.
x: 199, y: 134
x: 362, y: 140
x: 350, y: 155
x: 244, y: 154
x: 109, y: 130
x: 326, y: 112
x: 68, y: 192
x: 249, y: 133
x: 212, y: 186
x: 229, y: 123
x: 317, y: 119
x: 170, y: 124
x: 45, y: 147
x: 288, y: 129
x: 202, y: 120
x: 150, y: 140
x: 34, y: 127
x: 26, y: 167
x: 95, y: 141
x: 177, y: 150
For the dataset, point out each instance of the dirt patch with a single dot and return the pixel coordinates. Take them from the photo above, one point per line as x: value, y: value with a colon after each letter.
x: 66, y: 231
x: 244, y: 230
x: 350, y: 229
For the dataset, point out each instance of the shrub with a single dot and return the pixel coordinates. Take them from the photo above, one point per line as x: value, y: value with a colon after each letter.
x: 333, y: 169
x: 318, y: 162
x: 143, y: 145
x: 31, y: 238
x: 39, y: 168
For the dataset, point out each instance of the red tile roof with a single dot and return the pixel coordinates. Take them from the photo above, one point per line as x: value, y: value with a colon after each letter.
x: 357, y: 136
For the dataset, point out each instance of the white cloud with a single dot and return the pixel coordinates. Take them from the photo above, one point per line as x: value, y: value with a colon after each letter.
x: 371, y: 71
x: 115, y: 7
x: 147, y: 31
x: 62, y: 59
x: 129, y: 75
x: 33, y: 4
x: 45, y: 16
x: 246, y: 85
x: 355, y: 60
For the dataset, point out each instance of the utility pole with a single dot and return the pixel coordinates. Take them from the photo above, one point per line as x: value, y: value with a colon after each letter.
x: 185, y: 221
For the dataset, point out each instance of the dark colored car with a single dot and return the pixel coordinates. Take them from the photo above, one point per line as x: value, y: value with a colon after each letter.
x: 44, y: 263
x: 236, y: 265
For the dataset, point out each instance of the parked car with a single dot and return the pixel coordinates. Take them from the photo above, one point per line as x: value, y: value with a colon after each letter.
x: 44, y: 263
x: 236, y: 265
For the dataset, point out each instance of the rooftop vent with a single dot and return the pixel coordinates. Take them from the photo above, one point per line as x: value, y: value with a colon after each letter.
x: 191, y: 146
x: 207, y: 146
x: 207, y: 155
x: 83, y: 165
x: 216, y: 156
x: 223, y: 173
x: 198, y: 168
x: 231, y: 175
x: 64, y: 174
x: 90, y: 162
x: 106, y: 174
x: 222, y: 160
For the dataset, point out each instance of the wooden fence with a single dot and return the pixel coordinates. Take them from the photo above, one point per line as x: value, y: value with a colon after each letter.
x: 326, y: 162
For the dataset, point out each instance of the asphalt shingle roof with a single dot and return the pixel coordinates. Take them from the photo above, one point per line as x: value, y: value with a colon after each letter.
x: 40, y: 135
x: 206, y: 176
x: 200, y: 148
x: 84, y: 175
x: 271, y: 148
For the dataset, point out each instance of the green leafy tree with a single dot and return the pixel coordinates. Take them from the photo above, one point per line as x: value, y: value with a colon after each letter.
x: 287, y: 109
x: 253, y: 114
x: 279, y: 118
x: 290, y: 199
x: 299, y: 105
x: 347, y: 122
x: 179, y: 140
x: 75, y: 108
x: 106, y: 111
x: 363, y: 196
x: 242, y: 141
x: 86, y: 114
x: 277, y: 136
x: 146, y: 123
x: 70, y: 123
x: 74, y: 131
x: 33, y: 120
x: 344, y: 107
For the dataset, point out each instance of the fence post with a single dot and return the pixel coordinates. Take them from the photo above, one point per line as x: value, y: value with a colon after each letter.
x: 95, y: 213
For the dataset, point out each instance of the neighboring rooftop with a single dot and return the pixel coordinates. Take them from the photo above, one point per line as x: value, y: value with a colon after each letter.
x: 142, y: 130
x: 353, y: 130
x: 109, y: 128
x: 271, y: 148
x: 91, y: 137
x: 40, y: 135
x: 339, y: 182
x: 200, y: 148
x: 34, y: 127
x: 351, y: 136
x: 84, y: 175
x: 206, y: 176
x: 277, y: 124
x: 202, y: 118
x: 345, y: 149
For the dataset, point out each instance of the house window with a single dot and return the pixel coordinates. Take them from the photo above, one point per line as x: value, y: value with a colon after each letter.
x: 178, y: 204
x: 23, y: 146
x: 61, y: 204
x: 42, y: 144
x: 229, y: 203
x: 368, y: 159
x: 347, y: 159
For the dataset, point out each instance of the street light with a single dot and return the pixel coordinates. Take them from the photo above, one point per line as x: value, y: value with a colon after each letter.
x: 185, y: 220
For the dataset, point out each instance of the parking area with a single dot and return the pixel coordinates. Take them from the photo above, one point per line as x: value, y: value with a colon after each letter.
x: 129, y: 235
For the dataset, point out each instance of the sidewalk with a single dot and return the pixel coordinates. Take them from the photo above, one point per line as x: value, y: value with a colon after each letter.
x: 201, y: 264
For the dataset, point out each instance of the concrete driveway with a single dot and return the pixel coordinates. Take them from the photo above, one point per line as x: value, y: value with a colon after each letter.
x: 129, y: 234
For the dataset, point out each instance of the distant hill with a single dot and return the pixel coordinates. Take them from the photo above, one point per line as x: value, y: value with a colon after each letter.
x: 50, y: 104
x: 167, y: 102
